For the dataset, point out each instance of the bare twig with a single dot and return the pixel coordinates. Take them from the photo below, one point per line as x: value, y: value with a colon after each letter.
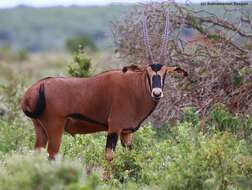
x: 215, y: 51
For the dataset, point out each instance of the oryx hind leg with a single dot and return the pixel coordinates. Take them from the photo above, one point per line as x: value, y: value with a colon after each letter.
x: 41, y: 136
x: 126, y: 139
x: 55, y: 131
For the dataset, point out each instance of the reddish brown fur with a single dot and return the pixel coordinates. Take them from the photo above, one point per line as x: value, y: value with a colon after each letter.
x: 119, y: 100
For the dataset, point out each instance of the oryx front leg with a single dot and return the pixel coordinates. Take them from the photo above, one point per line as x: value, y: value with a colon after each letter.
x: 111, y: 145
x: 126, y: 140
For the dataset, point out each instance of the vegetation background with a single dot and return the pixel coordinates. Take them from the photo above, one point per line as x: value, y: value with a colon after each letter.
x: 183, y: 154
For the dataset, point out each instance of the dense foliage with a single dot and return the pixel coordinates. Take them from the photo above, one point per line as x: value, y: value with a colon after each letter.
x: 182, y: 155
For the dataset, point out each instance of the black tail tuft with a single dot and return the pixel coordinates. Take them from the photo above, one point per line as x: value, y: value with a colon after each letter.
x: 40, y: 105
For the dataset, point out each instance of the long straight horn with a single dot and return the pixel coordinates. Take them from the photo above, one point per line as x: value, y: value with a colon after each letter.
x: 165, y: 38
x: 147, y: 41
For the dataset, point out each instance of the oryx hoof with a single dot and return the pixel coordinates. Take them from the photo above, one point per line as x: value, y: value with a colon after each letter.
x: 109, y: 155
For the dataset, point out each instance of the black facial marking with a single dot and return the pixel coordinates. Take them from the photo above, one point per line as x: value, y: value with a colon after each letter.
x: 156, y: 81
x: 156, y: 67
x: 149, y: 82
x: 79, y: 116
x: 163, y: 80
x: 111, y: 141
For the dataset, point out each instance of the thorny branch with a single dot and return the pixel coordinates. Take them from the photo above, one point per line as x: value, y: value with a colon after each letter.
x: 216, y: 50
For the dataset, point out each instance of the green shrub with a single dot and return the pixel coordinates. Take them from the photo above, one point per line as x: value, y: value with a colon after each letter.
x: 223, y: 120
x: 16, y: 135
x: 180, y: 156
x: 34, y: 171
x: 191, y: 116
x: 198, y: 161
x: 12, y: 93
x: 81, y: 65
x: 126, y: 166
x: 89, y: 148
x: 76, y: 43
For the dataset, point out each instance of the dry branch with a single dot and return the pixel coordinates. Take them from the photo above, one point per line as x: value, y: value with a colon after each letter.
x: 216, y: 52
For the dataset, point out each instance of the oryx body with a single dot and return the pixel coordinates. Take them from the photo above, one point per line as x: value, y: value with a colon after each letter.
x: 116, y: 101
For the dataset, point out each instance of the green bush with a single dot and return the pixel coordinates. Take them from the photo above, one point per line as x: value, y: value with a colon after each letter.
x: 89, y: 148
x: 191, y: 115
x: 12, y: 93
x: 221, y: 119
x: 193, y: 160
x: 15, y: 132
x: 15, y: 135
x: 76, y: 43
x: 196, y: 161
x: 34, y: 171
x: 81, y: 65
x: 181, y: 155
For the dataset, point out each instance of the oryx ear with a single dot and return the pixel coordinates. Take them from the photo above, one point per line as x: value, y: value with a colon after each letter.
x: 176, y: 69
x: 132, y: 67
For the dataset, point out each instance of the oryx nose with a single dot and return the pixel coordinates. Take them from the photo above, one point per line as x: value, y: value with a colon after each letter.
x: 157, y: 93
